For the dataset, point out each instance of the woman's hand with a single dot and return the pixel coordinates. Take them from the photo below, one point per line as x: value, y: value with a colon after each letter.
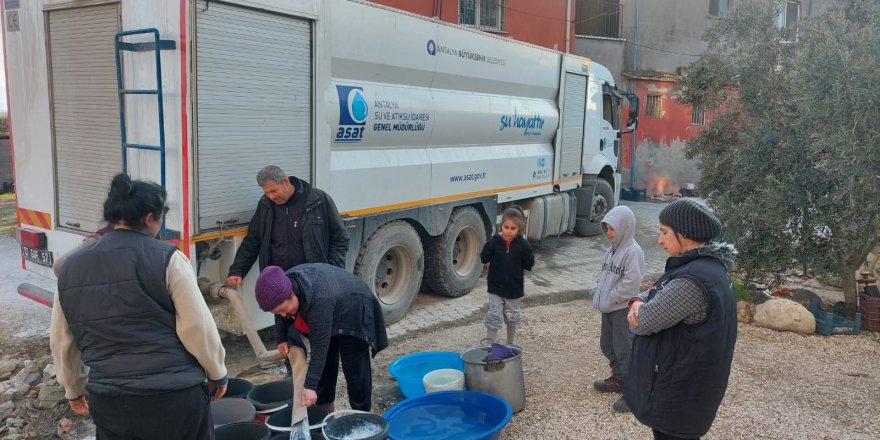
x: 282, y: 348
x: 633, y: 316
x: 309, y: 397
x: 80, y: 406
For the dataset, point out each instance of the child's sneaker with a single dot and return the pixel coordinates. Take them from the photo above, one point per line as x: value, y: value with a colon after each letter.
x: 612, y: 384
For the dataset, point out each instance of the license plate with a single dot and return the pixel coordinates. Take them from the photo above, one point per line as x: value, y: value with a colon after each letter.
x: 39, y: 256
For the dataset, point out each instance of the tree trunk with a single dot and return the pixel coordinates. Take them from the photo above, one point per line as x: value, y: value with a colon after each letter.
x: 850, y: 287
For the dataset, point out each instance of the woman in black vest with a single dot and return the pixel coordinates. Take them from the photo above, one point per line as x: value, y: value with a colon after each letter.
x: 129, y: 308
x: 685, y: 328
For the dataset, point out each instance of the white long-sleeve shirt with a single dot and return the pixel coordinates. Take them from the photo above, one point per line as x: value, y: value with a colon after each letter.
x: 195, y: 328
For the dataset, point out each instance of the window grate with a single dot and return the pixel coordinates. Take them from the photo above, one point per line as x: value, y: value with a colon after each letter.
x: 698, y: 115
x: 599, y: 18
x: 482, y: 14
x: 653, y: 106
x: 718, y: 8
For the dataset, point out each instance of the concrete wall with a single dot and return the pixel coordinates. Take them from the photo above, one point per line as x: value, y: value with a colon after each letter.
x: 669, y: 38
x: 537, y: 22
x: 668, y: 31
x: 605, y: 51
x: 660, y: 165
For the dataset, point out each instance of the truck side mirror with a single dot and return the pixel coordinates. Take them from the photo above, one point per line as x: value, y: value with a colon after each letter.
x: 632, y: 120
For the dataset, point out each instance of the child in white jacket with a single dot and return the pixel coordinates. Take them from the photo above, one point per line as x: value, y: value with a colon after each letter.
x: 619, y: 280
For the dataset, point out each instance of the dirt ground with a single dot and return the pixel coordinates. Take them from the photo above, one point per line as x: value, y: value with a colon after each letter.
x: 783, y: 385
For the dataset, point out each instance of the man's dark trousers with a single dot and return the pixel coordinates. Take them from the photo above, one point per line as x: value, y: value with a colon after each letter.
x: 355, y: 355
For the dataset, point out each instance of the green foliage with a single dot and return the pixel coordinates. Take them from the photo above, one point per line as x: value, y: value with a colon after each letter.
x: 741, y: 292
x: 792, y: 160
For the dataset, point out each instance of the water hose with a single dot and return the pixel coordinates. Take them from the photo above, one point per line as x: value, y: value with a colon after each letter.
x: 220, y: 290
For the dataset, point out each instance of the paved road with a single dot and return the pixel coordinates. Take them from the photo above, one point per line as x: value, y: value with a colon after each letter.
x: 19, y: 316
x: 565, y: 268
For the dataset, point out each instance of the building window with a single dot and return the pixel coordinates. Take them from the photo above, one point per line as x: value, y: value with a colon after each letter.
x: 482, y: 14
x: 653, y: 106
x: 599, y: 18
x: 789, y: 15
x: 718, y: 8
x: 698, y: 115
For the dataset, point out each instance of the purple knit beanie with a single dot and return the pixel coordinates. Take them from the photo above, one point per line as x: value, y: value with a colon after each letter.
x: 273, y: 287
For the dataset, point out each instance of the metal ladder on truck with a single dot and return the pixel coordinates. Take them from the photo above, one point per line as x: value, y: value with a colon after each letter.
x: 156, y: 45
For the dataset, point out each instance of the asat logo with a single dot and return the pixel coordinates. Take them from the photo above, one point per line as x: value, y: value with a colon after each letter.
x: 541, y: 162
x: 352, y: 114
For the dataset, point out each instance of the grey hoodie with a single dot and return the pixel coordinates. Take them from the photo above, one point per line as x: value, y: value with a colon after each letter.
x: 624, y: 265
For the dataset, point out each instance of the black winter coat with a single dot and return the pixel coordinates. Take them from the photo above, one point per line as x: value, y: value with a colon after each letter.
x: 334, y: 302
x: 324, y: 237
x: 677, y: 377
x: 506, y: 270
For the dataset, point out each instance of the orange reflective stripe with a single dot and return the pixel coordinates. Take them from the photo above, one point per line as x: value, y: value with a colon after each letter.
x: 35, y: 218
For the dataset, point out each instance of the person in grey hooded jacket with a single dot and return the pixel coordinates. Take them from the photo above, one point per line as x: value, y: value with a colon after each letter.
x: 619, y: 279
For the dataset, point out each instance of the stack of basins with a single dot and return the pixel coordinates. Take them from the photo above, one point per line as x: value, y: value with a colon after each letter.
x: 243, y: 417
x: 479, y: 413
x: 233, y: 415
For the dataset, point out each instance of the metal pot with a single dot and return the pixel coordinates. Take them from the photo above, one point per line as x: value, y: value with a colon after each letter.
x: 503, y: 378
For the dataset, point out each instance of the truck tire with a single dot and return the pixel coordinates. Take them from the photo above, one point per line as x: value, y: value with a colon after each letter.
x: 452, y: 259
x: 603, y: 198
x: 391, y: 262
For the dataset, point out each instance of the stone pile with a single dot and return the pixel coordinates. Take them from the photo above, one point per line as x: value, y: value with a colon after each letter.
x: 26, y: 386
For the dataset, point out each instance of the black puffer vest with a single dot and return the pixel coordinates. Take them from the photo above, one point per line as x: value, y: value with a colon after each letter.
x: 677, y: 377
x: 114, y: 297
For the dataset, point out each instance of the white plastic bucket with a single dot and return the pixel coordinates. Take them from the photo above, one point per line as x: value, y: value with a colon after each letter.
x: 445, y: 379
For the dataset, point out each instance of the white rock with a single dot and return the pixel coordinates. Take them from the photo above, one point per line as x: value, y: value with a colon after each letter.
x: 49, y: 370
x: 20, y: 376
x: 785, y: 315
x: 6, y: 409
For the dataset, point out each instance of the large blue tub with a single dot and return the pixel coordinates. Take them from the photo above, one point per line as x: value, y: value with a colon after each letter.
x: 410, y: 369
x: 449, y: 415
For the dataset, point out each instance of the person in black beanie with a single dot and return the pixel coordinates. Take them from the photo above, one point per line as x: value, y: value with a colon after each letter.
x: 685, y: 328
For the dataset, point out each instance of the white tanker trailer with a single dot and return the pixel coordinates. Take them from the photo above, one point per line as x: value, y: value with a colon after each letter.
x: 420, y: 130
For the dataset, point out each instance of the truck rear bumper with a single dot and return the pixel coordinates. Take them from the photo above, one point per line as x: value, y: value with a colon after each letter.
x: 36, y: 293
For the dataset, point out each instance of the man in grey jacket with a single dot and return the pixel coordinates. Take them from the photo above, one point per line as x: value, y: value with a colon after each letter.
x: 618, y: 281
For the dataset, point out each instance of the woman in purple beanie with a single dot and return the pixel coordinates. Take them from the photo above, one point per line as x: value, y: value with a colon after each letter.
x: 345, y: 321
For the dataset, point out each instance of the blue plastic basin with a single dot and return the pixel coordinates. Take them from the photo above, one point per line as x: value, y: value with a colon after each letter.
x: 449, y: 415
x: 410, y: 369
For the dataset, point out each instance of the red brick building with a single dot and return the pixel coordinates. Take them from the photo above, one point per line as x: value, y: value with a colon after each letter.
x: 544, y: 23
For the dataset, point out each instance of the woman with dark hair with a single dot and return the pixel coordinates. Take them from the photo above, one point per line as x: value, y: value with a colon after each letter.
x: 129, y: 308
x: 685, y: 328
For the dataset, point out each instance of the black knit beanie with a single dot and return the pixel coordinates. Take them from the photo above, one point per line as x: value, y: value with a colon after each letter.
x: 691, y: 219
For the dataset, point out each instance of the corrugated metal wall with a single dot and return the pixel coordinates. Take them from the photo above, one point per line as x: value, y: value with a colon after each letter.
x: 254, y: 94
x: 573, y: 124
x: 85, y: 111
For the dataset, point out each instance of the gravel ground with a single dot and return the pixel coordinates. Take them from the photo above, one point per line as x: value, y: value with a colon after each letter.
x: 783, y: 385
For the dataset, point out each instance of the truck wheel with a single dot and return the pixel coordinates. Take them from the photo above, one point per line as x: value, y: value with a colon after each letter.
x: 603, y: 198
x: 452, y: 265
x: 391, y: 262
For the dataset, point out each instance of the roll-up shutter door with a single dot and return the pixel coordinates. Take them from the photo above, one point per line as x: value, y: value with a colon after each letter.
x: 573, y: 124
x: 254, y: 93
x: 85, y: 111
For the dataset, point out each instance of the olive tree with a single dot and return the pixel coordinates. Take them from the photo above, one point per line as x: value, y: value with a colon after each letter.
x: 791, y: 161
